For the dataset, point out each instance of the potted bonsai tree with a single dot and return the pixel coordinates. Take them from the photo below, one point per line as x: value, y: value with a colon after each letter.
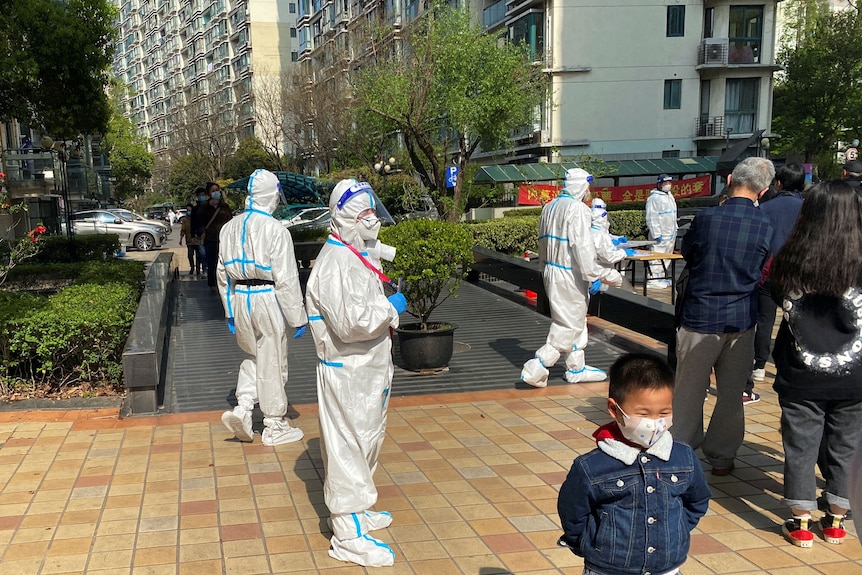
x: 432, y: 258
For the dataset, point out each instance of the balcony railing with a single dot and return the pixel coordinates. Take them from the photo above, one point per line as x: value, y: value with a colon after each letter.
x: 709, y: 127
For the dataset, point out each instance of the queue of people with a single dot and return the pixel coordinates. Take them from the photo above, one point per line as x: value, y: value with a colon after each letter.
x: 643, y: 470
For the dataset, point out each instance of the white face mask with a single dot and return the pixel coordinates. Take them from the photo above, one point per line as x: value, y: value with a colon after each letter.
x: 666, y: 188
x: 642, y: 430
x: 368, y: 227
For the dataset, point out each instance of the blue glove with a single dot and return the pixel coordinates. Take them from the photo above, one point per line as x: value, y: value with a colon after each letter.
x: 300, y: 331
x: 399, y: 302
x: 659, y: 239
x: 595, y: 287
x: 620, y: 240
x: 630, y: 252
x: 231, y: 325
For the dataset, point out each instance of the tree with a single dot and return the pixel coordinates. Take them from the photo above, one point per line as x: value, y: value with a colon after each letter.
x: 207, y: 136
x: 55, y: 58
x: 249, y: 156
x: 186, y: 175
x: 433, y: 94
x: 816, y: 99
x: 131, y: 161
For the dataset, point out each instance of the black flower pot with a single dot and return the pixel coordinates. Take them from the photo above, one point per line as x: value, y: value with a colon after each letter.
x: 426, y: 350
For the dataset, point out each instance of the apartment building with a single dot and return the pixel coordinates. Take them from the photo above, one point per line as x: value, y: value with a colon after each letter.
x: 197, y: 62
x: 628, y: 79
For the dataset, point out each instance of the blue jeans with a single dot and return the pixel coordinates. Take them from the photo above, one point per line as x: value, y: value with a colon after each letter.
x: 803, y: 424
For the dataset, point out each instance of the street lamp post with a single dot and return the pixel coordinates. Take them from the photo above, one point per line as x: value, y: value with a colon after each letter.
x: 764, y: 145
x: 384, y: 169
x: 49, y: 144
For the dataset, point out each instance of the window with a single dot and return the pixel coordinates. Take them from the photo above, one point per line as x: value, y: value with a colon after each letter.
x: 293, y: 32
x: 292, y: 8
x: 708, y: 22
x: 669, y: 154
x: 745, y: 33
x: 294, y: 56
x: 740, y: 105
x: 529, y: 32
x: 675, y: 21
x: 672, y: 94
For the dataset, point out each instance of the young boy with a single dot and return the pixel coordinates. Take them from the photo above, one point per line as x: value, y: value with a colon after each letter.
x: 629, y: 505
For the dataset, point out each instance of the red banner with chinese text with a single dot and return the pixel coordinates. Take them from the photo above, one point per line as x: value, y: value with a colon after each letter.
x: 539, y: 194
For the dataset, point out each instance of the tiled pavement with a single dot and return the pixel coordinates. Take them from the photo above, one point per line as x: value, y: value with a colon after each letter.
x: 471, y: 480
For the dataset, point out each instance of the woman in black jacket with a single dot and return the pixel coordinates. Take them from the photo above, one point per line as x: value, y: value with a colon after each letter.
x: 817, y: 280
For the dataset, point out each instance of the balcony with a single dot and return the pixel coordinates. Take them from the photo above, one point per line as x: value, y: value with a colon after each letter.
x: 712, y: 52
x: 709, y: 127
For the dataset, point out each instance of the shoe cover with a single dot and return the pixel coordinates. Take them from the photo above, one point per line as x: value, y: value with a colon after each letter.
x: 535, y: 371
x: 281, y: 435
x: 238, y: 422
x: 364, y: 550
x: 378, y: 520
x: 585, y: 374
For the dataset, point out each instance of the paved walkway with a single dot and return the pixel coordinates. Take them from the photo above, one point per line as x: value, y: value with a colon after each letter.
x: 471, y: 479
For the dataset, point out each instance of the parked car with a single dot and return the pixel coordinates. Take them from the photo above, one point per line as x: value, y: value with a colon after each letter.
x: 131, y: 216
x: 305, y: 216
x: 138, y: 234
x: 286, y: 212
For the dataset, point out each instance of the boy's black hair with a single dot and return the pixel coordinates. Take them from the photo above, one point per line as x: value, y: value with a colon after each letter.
x: 635, y: 371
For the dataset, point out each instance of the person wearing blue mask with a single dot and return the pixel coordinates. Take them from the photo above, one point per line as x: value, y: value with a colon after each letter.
x: 259, y: 285
x: 351, y: 320
x: 570, y: 274
x: 215, y: 214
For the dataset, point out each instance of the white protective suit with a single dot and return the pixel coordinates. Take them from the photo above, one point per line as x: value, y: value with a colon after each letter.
x: 568, y: 255
x: 606, y: 252
x: 661, y: 221
x: 259, y: 285
x: 351, y: 318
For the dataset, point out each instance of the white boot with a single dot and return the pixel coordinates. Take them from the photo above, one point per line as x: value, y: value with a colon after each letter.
x: 238, y: 422
x: 585, y: 374
x: 280, y: 433
x: 378, y: 520
x: 535, y: 371
x: 364, y: 550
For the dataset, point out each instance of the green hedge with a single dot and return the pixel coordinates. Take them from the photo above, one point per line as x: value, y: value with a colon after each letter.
x: 87, y: 248
x: 74, y: 336
x: 699, y: 202
x: 30, y: 276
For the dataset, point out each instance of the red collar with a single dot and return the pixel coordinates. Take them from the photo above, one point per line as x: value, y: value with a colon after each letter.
x: 612, y: 431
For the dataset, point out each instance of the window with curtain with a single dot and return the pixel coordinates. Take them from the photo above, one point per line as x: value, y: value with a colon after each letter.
x: 672, y: 94
x: 675, y: 21
x: 740, y: 105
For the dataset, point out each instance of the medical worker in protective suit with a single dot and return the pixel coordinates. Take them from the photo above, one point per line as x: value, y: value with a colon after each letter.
x: 608, y: 253
x: 661, y: 221
x: 351, y: 320
x: 259, y: 286
x: 570, y: 274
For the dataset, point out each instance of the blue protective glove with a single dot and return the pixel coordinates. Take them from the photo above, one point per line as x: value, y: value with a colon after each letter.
x: 300, y: 331
x: 659, y: 239
x: 398, y: 301
x: 620, y: 240
x: 630, y: 252
x: 231, y: 325
x: 595, y: 287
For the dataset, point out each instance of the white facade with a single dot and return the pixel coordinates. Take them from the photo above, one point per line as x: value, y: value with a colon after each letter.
x: 200, y: 55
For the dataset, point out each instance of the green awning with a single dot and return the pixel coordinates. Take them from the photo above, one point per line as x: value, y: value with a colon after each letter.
x: 297, y: 188
x: 612, y: 168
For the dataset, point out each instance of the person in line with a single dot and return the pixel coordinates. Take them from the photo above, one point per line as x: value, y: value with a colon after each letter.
x: 570, y: 274
x: 725, y: 251
x: 351, y: 321
x: 259, y: 285
x: 195, y: 254
x: 607, y: 252
x: 818, y: 357
x: 851, y: 172
x: 628, y: 506
x: 214, y: 215
x: 782, y: 209
x: 661, y: 221
x: 198, y: 223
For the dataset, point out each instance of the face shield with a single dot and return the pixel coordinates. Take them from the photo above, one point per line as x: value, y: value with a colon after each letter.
x: 372, y: 206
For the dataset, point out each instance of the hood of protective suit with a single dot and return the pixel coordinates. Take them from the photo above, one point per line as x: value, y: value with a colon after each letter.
x: 577, y: 183
x: 599, y: 213
x: 349, y: 198
x: 263, y: 191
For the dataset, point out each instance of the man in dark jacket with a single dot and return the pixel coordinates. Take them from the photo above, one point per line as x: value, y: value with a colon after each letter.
x: 851, y: 172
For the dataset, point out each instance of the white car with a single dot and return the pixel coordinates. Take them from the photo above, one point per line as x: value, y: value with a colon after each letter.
x: 306, y: 216
x: 131, y: 216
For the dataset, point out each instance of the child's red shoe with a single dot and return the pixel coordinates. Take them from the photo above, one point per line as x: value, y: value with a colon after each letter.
x: 797, y: 530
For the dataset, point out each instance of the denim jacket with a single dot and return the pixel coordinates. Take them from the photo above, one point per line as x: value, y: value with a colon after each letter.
x: 633, y: 516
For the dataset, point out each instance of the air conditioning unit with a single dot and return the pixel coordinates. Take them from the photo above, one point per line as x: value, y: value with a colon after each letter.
x: 713, y: 53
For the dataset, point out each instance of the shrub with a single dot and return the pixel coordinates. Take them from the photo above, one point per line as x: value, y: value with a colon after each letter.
x: 522, y: 212
x: 309, y: 235
x: 431, y: 256
x: 77, y: 335
x: 96, y: 247
x: 56, y: 275
x: 511, y: 236
x: 629, y: 223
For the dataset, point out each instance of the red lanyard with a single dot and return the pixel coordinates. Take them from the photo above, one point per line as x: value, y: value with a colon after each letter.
x: 383, y: 277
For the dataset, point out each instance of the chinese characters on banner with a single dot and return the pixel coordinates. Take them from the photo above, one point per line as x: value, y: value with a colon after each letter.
x: 539, y: 194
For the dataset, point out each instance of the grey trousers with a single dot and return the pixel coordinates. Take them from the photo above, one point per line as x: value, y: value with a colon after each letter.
x: 698, y: 354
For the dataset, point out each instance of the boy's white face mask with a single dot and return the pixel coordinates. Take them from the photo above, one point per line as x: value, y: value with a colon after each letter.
x: 642, y: 430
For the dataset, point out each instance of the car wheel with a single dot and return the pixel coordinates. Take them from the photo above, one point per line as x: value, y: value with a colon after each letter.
x: 144, y: 242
